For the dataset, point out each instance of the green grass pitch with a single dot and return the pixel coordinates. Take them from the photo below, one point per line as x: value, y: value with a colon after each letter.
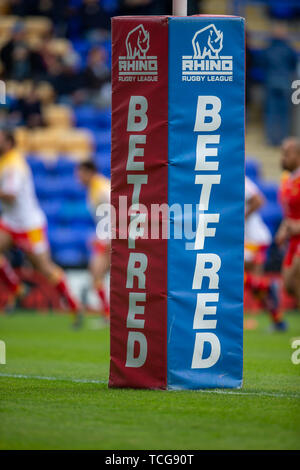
x: 54, y: 395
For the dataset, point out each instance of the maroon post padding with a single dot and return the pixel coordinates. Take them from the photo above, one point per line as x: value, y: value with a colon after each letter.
x: 139, y: 171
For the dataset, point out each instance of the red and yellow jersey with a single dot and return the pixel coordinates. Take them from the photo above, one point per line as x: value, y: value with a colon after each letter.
x: 290, y: 194
x: 24, y: 212
x: 98, y: 192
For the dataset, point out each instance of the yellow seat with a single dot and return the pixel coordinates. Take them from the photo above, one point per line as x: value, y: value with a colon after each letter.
x: 77, y: 143
x: 19, y: 89
x: 59, y: 46
x: 25, y: 88
x: 37, y: 26
x: 51, y: 142
x: 6, y: 24
x: 44, y: 142
x: 45, y: 93
x: 56, y: 115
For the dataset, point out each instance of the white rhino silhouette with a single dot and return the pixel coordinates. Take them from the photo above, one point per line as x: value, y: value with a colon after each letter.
x: 137, y: 43
x: 207, y: 42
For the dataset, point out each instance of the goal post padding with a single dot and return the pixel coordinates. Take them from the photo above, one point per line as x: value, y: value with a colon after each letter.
x: 178, y: 143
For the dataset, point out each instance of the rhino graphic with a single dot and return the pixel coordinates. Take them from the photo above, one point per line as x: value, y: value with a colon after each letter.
x: 207, y: 42
x: 137, y: 43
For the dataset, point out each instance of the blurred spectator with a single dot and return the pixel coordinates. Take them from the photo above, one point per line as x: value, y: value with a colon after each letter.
x: 96, y: 72
x: 95, y: 21
x: 154, y: 7
x: 56, y: 11
x: 29, y: 109
x: 94, y: 82
x: 24, y: 7
x: 17, y: 39
x: 63, y: 77
x: 21, y: 65
x: 19, y: 61
x: 97, y: 78
x: 279, y: 62
x: 139, y: 7
x: 53, y: 9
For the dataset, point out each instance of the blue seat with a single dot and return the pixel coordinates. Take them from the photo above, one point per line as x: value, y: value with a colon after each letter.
x: 81, y: 45
x: 70, y: 244
x: 70, y: 257
x: 103, y: 119
x: 75, y: 211
x: 52, y: 209
x: 269, y: 190
x: 37, y: 165
x: 85, y: 116
x: 252, y: 168
x: 49, y: 187
x: 107, y: 47
x: 71, y: 188
x: 64, y: 237
x: 102, y: 140
x: 103, y: 166
x: 102, y: 157
x: 64, y: 167
x: 106, y: 172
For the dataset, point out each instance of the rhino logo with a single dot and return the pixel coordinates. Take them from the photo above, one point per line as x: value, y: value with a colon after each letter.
x: 207, y: 42
x: 137, y: 43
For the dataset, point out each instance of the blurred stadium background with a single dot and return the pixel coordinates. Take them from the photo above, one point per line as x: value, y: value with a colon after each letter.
x: 55, y: 61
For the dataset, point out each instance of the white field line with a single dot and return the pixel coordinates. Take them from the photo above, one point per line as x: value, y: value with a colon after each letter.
x: 94, y: 381
x: 53, y: 379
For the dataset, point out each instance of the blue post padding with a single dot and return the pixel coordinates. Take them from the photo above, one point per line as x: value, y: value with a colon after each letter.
x: 226, y: 199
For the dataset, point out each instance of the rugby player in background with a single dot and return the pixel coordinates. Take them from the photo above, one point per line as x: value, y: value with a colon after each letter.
x: 289, y: 231
x: 98, y: 193
x: 257, y: 240
x: 23, y: 224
